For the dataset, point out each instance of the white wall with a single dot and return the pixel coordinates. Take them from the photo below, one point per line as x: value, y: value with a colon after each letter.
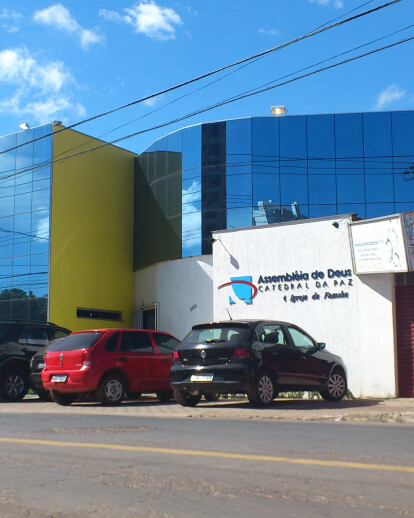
x: 358, y: 327
x: 183, y: 288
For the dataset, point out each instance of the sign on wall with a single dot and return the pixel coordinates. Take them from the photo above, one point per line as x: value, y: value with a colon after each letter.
x: 378, y: 246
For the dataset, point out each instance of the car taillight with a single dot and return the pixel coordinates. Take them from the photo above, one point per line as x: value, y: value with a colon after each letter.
x: 240, y: 354
x: 86, y: 358
x: 175, y: 357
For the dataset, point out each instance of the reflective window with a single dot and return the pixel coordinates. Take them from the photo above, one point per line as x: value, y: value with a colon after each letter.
x: 24, y: 224
x: 321, y: 144
x: 322, y: 189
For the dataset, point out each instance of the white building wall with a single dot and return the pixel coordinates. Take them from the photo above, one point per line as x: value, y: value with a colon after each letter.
x: 358, y: 325
x: 183, y: 289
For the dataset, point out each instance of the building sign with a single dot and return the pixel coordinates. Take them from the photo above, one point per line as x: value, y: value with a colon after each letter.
x: 295, y: 287
x: 378, y: 246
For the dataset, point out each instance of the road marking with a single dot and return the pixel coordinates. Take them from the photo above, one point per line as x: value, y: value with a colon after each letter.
x: 215, y: 454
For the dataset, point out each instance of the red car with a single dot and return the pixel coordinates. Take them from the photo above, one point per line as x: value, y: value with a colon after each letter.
x: 111, y: 363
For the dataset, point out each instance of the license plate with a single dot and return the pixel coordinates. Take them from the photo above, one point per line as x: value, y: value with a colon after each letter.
x: 59, y: 378
x: 202, y: 377
x: 41, y: 366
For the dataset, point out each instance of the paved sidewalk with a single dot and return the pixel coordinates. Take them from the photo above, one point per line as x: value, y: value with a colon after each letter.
x: 351, y: 410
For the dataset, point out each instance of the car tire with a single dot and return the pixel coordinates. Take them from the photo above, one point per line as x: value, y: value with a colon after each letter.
x: 212, y: 396
x: 165, y: 396
x: 13, y: 385
x: 111, y: 390
x: 336, y: 387
x: 62, y: 398
x: 44, y: 395
x: 263, y: 391
x: 186, y: 399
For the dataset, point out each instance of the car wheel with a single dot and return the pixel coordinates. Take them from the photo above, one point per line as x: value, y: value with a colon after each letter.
x: 165, y: 396
x: 336, y: 387
x: 13, y: 385
x: 62, y: 398
x: 186, y: 399
x: 44, y: 395
x: 111, y: 390
x: 263, y: 392
x: 212, y: 396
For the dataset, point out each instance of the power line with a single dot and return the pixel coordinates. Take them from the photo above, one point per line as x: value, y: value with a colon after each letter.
x: 208, y: 74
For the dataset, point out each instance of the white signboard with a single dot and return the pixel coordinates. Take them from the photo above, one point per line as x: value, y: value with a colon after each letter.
x: 378, y: 246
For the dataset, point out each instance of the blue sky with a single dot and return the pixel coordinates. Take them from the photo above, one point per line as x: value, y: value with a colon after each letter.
x: 72, y: 60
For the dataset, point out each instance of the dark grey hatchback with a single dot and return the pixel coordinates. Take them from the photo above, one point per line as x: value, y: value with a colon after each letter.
x: 256, y: 357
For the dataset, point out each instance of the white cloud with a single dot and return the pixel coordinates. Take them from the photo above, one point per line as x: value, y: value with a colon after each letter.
x: 338, y: 4
x: 153, y: 101
x: 389, y: 95
x: 148, y: 18
x: 8, y: 20
x: 42, y: 90
x: 59, y: 17
x: 272, y: 32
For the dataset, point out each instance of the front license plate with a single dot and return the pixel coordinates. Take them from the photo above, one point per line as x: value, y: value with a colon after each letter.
x: 202, y: 377
x: 59, y: 378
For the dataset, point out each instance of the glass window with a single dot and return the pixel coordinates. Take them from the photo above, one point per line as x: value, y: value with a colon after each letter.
x: 40, y: 231
x: 321, y: 144
x: 272, y: 334
x: 352, y: 208
x: 351, y: 188
x: 55, y: 334
x: 348, y: 135
x: 375, y: 210
x: 34, y: 336
x: 379, y: 188
x: 112, y: 343
x: 75, y: 342
x: 191, y: 148
x: 137, y: 342
x: 300, y: 339
x: 322, y: 189
x: 319, y: 211
x: 237, y: 218
x: 294, y: 189
x: 22, y: 229
x: 166, y: 343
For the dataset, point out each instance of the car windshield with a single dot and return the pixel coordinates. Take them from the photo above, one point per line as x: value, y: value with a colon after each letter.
x: 216, y: 334
x: 75, y: 342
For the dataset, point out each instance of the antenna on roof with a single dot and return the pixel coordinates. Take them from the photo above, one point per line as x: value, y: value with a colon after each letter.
x: 229, y: 313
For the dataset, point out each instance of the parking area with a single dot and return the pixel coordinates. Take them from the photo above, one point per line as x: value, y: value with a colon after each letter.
x: 348, y: 410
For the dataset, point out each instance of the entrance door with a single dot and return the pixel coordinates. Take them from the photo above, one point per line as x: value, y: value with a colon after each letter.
x: 405, y: 340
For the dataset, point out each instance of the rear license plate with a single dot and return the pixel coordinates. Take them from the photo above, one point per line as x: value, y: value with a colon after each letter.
x: 59, y: 378
x: 202, y: 377
x: 41, y: 366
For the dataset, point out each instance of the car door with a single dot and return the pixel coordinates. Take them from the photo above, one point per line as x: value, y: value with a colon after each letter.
x: 165, y: 344
x: 309, y: 364
x: 278, y: 353
x: 32, y: 339
x: 137, y: 359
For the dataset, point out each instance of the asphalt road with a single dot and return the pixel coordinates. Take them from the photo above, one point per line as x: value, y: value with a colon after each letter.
x: 71, y: 465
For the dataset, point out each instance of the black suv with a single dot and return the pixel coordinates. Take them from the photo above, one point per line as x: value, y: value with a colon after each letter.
x: 19, y: 341
x: 259, y: 358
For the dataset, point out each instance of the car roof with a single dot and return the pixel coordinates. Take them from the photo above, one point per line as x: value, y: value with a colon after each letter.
x: 246, y: 321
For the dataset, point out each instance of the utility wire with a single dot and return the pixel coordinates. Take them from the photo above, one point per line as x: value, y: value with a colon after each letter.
x: 208, y: 74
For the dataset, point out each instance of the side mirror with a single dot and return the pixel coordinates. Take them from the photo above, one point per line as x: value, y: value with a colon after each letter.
x: 320, y: 346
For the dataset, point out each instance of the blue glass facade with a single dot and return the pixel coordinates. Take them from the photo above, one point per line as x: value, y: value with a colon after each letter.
x: 259, y: 170
x: 25, y: 183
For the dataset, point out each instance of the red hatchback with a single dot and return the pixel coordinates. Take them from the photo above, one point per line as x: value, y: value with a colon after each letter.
x: 111, y: 363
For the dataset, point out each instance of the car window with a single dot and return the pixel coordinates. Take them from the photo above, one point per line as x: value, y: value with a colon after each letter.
x: 57, y: 333
x: 138, y: 342
x: 75, y: 342
x: 112, y: 342
x: 300, y: 339
x: 273, y: 334
x: 34, y: 336
x: 216, y: 334
x: 166, y: 343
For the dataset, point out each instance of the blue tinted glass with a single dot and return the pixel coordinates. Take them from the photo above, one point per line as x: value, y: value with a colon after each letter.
x: 403, y: 147
x: 348, y: 135
x: 350, y: 189
x: 377, y: 135
x: 7, y: 160
x: 321, y: 136
x: 24, y: 154
x: 6, y: 202
x: 322, y: 189
x: 42, y: 149
x: 237, y: 218
x: 352, y: 208
x: 319, y: 211
x: 39, y: 263
x: 379, y: 188
x: 239, y: 143
x: 191, y: 147
x: 161, y: 144
x: 40, y: 232
x: 175, y: 142
x: 41, y: 195
x: 404, y: 188
x: 375, y: 210
x: 294, y: 188
x: 191, y: 213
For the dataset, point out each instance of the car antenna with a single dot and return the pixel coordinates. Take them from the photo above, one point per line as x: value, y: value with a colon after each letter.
x: 229, y: 313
